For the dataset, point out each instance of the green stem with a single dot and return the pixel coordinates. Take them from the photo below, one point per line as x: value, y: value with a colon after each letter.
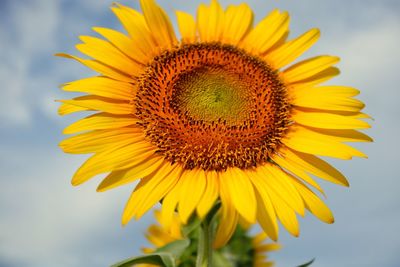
x: 200, y: 248
x: 206, y: 238
x: 208, y: 250
x: 204, y: 250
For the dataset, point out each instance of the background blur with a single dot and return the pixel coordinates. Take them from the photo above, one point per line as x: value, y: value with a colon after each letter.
x: 46, y: 222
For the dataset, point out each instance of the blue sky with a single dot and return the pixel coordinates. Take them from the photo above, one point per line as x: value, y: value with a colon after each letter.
x: 46, y: 222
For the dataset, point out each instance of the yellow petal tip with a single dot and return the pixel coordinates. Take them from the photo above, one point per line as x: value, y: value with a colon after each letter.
x: 62, y: 55
x: 316, y: 30
x: 74, y: 182
x: 125, y: 219
x: 274, y: 238
x: 100, y: 189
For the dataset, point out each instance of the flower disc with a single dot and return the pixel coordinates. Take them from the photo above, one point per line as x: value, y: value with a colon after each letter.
x: 212, y: 106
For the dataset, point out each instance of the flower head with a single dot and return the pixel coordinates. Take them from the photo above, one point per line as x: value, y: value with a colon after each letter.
x: 218, y: 114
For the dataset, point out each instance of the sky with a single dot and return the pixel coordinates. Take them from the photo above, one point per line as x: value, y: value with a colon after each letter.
x: 46, y: 222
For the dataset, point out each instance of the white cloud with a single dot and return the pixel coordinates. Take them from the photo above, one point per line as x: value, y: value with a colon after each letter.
x: 28, y: 30
x: 13, y: 106
x: 47, y: 222
x: 368, y: 55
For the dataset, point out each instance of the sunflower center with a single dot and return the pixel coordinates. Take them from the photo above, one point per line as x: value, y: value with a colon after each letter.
x: 212, y: 106
x: 212, y: 94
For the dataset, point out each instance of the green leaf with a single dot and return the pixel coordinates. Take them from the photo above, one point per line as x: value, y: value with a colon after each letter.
x: 161, y: 259
x: 219, y: 260
x: 307, y: 264
x: 165, y: 256
x: 175, y: 248
x: 239, y: 250
x: 189, y: 228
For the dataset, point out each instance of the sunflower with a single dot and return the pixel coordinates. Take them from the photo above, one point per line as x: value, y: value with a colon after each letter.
x: 260, y: 248
x: 215, y: 115
x: 242, y: 250
x: 160, y: 236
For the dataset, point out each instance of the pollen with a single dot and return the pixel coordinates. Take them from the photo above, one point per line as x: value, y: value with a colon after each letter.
x: 212, y: 106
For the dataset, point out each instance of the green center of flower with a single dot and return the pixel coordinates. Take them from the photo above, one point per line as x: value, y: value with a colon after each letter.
x: 212, y: 106
x: 211, y: 94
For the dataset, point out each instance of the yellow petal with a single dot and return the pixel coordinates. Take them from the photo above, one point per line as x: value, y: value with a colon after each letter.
x: 229, y: 218
x: 349, y: 114
x: 259, y: 238
x: 136, y: 26
x: 210, y: 194
x: 148, y: 164
x: 285, y: 214
x: 100, y: 68
x: 125, y: 44
x: 273, y: 178
x: 102, y: 86
x: 174, y: 230
x: 266, y: 215
x: 243, y: 223
x: 147, y: 251
x: 187, y: 27
x: 267, y: 33
x: 120, y: 156
x: 330, y: 90
x: 193, y: 185
x: 150, y: 190
x: 307, y: 141
x: 238, y: 22
x: 314, y: 204
x: 65, y: 109
x: 100, y: 121
x: 343, y: 135
x: 315, y: 166
x: 96, y: 141
x: 308, y: 68
x: 291, y: 50
x: 296, y: 171
x: 210, y: 22
x: 280, y: 182
x: 108, y: 54
x: 169, y: 204
x: 327, y: 120
x: 326, y: 102
x: 241, y: 191
x: 327, y: 98
x: 158, y: 23
x: 158, y: 237
x: 314, y: 80
x: 268, y: 247
x: 101, y: 104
